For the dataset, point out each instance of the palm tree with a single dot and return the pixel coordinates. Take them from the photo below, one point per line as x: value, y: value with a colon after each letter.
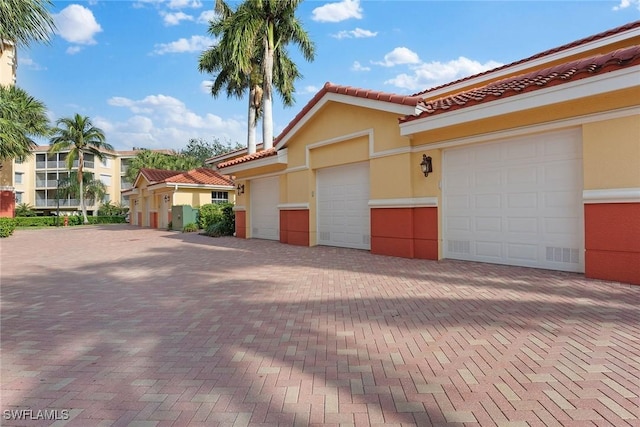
x: 25, y: 21
x: 272, y: 24
x: 78, y: 135
x: 22, y: 117
x: 251, y: 52
x: 91, y: 190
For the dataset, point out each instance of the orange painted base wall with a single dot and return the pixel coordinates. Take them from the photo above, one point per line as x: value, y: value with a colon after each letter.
x: 294, y: 227
x: 153, y: 219
x: 405, y: 232
x: 612, y: 241
x: 241, y: 224
x: 7, y: 204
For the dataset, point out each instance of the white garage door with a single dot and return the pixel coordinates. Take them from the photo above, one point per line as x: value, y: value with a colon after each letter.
x: 343, y: 210
x: 516, y: 202
x: 265, y: 218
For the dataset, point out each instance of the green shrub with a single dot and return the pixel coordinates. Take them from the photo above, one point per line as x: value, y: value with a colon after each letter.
x: 7, y: 225
x: 108, y: 209
x: 209, y: 214
x: 25, y: 209
x: 170, y: 226
x: 36, y: 221
x: 191, y: 227
x: 117, y: 219
x: 225, y: 224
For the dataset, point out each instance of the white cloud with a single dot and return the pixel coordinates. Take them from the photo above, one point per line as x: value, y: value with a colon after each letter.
x: 194, y: 44
x: 72, y: 50
x: 308, y: 89
x: 206, y: 16
x: 627, y: 3
x: 76, y: 24
x: 431, y: 74
x: 358, y: 33
x: 336, y: 12
x: 205, y: 86
x: 181, y: 4
x: 358, y: 67
x: 175, y: 18
x: 162, y: 121
x: 399, y: 56
x: 29, y: 63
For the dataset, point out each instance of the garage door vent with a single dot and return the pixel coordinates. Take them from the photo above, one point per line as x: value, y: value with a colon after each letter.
x: 567, y: 255
x: 459, y: 246
x: 325, y: 236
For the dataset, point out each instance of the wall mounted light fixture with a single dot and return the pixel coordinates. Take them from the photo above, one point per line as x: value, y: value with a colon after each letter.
x: 426, y: 165
x: 167, y: 198
x: 240, y: 189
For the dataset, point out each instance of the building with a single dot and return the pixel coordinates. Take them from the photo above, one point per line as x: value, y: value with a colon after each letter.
x: 8, y: 65
x: 35, y: 180
x: 156, y: 192
x: 535, y: 163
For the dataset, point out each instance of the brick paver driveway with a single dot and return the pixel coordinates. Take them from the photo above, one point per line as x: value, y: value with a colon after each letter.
x: 123, y: 326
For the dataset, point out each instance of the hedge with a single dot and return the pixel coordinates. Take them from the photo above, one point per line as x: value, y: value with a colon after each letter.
x: 7, y: 225
x: 43, y: 221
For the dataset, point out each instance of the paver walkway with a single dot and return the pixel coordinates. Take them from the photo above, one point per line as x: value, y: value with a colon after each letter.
x: 122, y: 326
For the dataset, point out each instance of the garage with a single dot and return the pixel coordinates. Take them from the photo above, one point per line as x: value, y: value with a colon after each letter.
x: 343, y: 210
x: 516, y: 202
x: 265, y: 220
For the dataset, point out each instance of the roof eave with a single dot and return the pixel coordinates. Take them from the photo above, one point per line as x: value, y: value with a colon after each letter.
x: 584, y: 88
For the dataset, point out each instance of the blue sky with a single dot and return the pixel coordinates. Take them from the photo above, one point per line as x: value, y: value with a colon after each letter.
x: 132, y: 66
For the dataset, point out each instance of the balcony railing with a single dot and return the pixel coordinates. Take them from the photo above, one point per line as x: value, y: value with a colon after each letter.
x: 52, y: 203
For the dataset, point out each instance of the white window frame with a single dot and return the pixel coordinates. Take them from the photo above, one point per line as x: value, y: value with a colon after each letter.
x: 219, y: 197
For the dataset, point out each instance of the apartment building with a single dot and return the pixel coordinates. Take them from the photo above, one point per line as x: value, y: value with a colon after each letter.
x: 35, y: 179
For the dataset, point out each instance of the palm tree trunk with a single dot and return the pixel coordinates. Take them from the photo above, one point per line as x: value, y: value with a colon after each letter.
x: 251, y: 124
x: 81, y: 185
x: 267, y: 100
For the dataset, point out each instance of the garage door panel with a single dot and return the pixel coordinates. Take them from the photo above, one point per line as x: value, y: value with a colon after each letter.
x: 343, y: 206
x: 522, y: 204
x: 265, y: 217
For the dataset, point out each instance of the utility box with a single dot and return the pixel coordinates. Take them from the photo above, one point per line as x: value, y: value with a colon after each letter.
x: 182, y: 215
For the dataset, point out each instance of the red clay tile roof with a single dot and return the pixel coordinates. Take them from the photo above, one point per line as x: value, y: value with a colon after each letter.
x: 351, y: 91
x: 573, y: 44
x: 204, y: 176
x: 257, y: 155
x: 158, y: 175
x: 529, y: 82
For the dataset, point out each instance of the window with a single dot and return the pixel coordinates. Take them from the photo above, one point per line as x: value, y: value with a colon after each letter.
x: 219, y: 196
x: 18, y: 177
x: 106, y: 162
x: 19, y: 195
x: 106, y: 179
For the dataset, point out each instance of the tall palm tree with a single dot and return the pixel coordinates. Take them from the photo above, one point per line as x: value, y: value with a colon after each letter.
x: 92, y: 190
x: 244, y: 59
x: 273, y: 25
x: 78, y: 135
x: 25, y: 21
x: 22, y: 117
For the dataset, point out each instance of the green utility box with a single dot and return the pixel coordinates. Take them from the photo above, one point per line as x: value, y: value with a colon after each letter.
x: 182, y: 215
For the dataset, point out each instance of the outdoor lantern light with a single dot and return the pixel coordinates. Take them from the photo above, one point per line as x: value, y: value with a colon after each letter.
x: 240, y: 188
x: 426, y: 165
x: 166, y: 198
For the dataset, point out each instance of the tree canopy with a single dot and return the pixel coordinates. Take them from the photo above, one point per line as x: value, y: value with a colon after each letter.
x: 22, y: 118
x: 25, y: 21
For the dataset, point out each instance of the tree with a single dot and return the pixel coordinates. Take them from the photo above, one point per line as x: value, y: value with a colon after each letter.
x: 157, y: 160
x: 25, y: 21
x: 78, y: 135
x: 238, y: 61
x: 91, y: 189
x: 271, y: 24
x: 22, y: 117
x: 202, y: 150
